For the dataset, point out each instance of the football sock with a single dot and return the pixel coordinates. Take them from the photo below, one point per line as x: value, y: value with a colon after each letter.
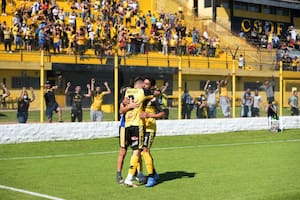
x: 148, y: 162
x: 134, y: 161
x: 140, y: 165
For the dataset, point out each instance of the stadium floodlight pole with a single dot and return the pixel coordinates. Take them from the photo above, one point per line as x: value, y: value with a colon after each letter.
x: 116, y: 86
x: 233, y: 88
x: 280, y: 89
x: 42, y: 81
x: 179, y: 88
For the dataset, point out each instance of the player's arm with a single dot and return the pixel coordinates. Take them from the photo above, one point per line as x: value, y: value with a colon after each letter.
x: 206, y: 85
x: 89, y: 94
x: 108, y: 91
x: 127, y: 105
x: 164, y: 88
x: 32, y: 94
x: 226, y: 79
x: 67, y: 88
x: 92, y: 84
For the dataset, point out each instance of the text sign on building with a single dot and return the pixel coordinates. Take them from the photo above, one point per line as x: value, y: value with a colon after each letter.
x: 257, y: 25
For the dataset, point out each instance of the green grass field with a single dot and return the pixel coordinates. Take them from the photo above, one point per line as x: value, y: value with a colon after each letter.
x: 258, y: 165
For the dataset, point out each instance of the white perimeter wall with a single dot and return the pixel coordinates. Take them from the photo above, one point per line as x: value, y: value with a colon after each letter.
x: 18, y: 133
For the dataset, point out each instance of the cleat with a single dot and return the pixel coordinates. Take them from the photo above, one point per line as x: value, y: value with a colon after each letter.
x: 156, y: 177
x: 120, y: 180
x: 141, y: 178
x: 151, y: 182
x: 129, y: 183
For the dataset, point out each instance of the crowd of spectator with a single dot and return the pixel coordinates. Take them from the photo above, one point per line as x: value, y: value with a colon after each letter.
x: 102, y: 25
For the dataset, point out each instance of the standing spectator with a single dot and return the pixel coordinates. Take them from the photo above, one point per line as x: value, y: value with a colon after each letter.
x: 164, y: 100
x: 201, y: 105
x: 187, y: 105
x: 7, y: 40
x: 76, y: 101
x: 5, y: 94
x: 295, y: 63
x: 294, y: 104
x: 256, y: 104
x: 224, y: 98
x: 3, y: 7
x: 97, y: 98
x: 241, y: 62
x: 211, y: 100
x: 23, y: 105
x: 268, y: 87
x: 247, y: 103
x: 51, y: 104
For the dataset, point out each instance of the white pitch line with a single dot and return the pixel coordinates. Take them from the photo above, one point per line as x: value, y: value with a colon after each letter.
x: 29, y: 192
x: 154, y: 149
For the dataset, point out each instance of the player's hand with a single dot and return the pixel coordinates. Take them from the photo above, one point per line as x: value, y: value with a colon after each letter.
x: 23, y: 89
x: 156, y: 93
x: 31, y: 89
x: 126, y: 101
x: 143, y: 115
x: 106, y: 84
x: 167, y: 84
x: 69, y: 84
x: 208, y: 81
x: 88, y: 86
x: 132, y: 105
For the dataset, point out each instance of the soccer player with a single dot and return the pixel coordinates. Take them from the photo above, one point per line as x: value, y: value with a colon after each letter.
x: 23, y: 105
x: 134, y: 124
x: 51, y: 104
x: 152, y: 111
x: 123, y: 139
x: 97, y: 99
x: 76, y: 99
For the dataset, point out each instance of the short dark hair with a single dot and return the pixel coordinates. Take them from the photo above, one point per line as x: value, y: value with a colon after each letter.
x: 138, y: 79
x: 152, y: 81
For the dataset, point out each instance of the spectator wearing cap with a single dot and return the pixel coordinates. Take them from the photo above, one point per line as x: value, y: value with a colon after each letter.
x: 211, y: 99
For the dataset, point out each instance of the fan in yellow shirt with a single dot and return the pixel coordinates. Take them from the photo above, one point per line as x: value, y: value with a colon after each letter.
x: 97, y: 99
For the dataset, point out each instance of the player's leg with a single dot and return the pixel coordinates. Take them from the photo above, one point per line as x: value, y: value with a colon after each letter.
x: 79, y: 115
x: 73, y: 115
x: 122, y: 153
x: 59, y: 113
x: 136, y: 136
x: 148, y: 140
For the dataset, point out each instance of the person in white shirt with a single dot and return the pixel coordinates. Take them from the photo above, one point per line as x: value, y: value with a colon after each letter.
x: 257, y: 100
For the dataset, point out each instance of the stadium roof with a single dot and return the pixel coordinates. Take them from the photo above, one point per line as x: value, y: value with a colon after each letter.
x: 293, y: 4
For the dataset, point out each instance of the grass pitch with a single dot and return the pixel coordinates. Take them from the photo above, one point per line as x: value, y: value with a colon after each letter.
x: 257, y: 165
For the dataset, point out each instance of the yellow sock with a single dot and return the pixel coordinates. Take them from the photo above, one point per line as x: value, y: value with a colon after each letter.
x: 148, y: 162
x: 140, y: 165
x: 134, y: 161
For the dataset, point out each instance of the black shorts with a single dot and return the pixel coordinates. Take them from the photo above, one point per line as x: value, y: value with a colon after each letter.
x: 76, y: 114
x: 135, y: 136
x: 50, y: 109
x: 148, y: 139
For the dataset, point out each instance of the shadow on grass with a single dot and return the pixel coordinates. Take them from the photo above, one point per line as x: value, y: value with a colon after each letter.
x: 3, y: 115
x: 168, y: 176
